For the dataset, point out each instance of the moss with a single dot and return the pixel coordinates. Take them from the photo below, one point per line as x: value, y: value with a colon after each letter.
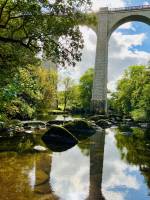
x: 81, y: 129
x: 103, y: 123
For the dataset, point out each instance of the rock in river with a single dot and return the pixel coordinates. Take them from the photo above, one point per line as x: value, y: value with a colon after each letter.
x: 103, y: 123
x: 81, y: 129
x: 39, y: 148
x: 59, y: 139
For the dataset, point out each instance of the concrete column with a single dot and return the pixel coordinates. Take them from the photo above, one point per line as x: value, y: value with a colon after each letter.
x: 99, y: 93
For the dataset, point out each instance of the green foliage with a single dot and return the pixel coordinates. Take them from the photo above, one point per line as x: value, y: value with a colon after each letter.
x: 32, y: 26
x: 78, y: 124
x: 77, y: 97
x: 86, y: 83
x: 47, y: 85
x: 81, y: 129
x: 11, y: 58
x: 18, y: 96
x: 75, y: 102
x: 67, y: 95
x: 30, y: 90
x: 133, y: 97
x: 89, y: 19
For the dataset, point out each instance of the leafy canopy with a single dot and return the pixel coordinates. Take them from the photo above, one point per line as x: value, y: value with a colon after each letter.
x: 37, y: 25
x: 133, y: 93
x: 86, y: 84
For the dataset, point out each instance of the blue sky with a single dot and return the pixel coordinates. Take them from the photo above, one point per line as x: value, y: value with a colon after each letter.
x: 135, y: 2
x: 138, y: 28
x: 128, y: 45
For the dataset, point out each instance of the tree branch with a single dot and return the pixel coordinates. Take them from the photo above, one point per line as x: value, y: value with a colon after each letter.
x: 11, y: 40
x: 1, y: 9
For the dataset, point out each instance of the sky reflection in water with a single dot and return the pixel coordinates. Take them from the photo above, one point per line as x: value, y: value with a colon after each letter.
x: 121, y: 181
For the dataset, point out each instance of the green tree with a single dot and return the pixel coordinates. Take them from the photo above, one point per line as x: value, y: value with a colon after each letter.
x: 86, y: 83
x: 75, y: 103
x: 132, y: 97
x: 32, y: 90
x: 20, y: 96
x: 66, y: 96
x: 47, y: 83
x: 35, y: 26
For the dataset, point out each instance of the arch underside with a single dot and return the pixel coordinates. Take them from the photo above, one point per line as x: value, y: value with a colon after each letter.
x: 130, y: 18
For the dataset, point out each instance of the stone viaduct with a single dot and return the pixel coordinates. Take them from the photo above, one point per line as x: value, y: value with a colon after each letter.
x: 108, y: 21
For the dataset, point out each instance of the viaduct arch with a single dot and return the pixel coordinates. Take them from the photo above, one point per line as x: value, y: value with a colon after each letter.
x: 108, y: 21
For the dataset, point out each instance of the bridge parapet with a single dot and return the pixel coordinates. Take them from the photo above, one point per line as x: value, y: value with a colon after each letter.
x: 140, y: 7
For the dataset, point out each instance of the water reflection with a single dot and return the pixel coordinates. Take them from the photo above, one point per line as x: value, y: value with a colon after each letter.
x: 121, y: 180
x: 96, y: 165
x: 26, y: 177
x: 111, y: 166
x: 70, y: 174
x: 136, y: 150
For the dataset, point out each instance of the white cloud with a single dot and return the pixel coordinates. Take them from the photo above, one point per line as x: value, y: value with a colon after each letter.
x: 89, y: 38
x: 114, y: 173
x: 128, y: 41
x: 121, y: 55
x: 123, y: 52
x: 88, y: 57
x: 146, y: 3
x: 128, y: 25
x: 70, y: 180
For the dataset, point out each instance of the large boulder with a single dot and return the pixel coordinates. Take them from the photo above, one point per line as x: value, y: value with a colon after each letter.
x: 103, y: 123
x: 59, y: 139
x: 81, y: 129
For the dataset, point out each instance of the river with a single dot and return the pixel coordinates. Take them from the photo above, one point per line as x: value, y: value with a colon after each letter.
x: 111, y: 165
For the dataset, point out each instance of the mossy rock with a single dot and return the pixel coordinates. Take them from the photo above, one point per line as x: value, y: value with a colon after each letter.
x: 98, y: 117
x: 81, y: 129
x: 103, y: 123
x: 59, y: 139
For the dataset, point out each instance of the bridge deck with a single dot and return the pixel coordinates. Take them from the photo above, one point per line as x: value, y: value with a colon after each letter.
x: 143, y: 7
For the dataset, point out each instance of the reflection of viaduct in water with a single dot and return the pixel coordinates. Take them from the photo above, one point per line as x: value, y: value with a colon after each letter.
x: 108, y: 21
x: 42, y: 185
x: 96, y: 166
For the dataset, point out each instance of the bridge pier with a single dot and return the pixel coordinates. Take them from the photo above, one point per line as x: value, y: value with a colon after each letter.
x: 108, y: 21
x: 99, y: 92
